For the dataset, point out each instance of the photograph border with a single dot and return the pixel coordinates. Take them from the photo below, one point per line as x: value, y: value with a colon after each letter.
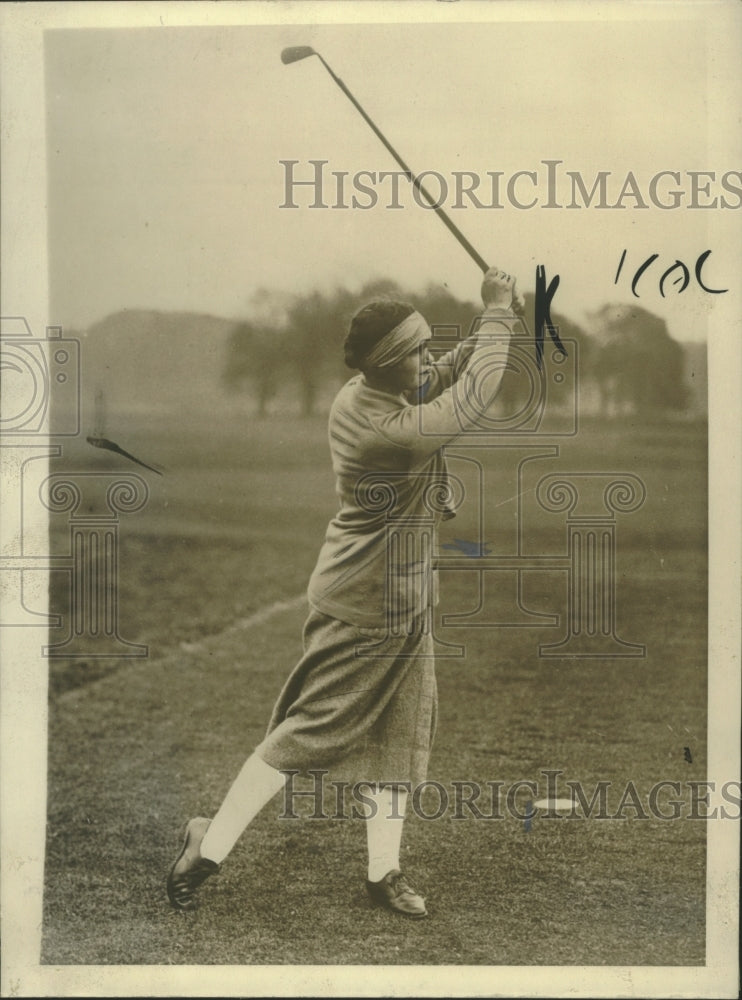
x: 24, y: 292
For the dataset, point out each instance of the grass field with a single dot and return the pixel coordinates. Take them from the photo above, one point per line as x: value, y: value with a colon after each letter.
x: 137, y: 747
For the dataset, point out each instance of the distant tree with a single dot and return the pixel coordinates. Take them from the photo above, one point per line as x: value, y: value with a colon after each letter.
x: 254, y: 357
x: 301, y: 337
x: 453, y: 317
x: 315, y: 332
x: 256, y: 349
x: 380, y: 288
x: 638, y: 366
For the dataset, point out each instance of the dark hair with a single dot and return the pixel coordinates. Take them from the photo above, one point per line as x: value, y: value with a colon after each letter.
x: 372, y: 322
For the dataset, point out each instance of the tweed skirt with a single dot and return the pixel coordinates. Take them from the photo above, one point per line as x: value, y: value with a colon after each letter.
x: 363, y: 716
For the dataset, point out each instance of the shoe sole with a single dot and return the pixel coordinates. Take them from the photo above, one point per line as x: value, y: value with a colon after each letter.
x: 377, y: 903
x: 178, y: 906
x: 400, y: 913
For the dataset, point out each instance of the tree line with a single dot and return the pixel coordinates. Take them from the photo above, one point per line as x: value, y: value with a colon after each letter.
x: 628, y: 356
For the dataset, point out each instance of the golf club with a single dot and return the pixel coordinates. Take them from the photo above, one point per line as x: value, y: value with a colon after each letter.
x: 294, y: 53
x: 297, y: 52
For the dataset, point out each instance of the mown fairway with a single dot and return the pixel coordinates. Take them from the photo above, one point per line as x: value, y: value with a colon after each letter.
x: 137, y: 747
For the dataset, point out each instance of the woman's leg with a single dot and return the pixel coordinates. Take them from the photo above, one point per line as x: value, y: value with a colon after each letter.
x: 384, y: 822
x: 207, y: 843
x: 253, y: 788
x: 386, y: 884
x: 332, y: 701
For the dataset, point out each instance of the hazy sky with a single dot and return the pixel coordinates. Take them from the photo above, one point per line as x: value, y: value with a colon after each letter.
x: 165, y: 183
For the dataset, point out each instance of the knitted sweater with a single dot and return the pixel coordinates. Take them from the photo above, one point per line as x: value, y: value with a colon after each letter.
x: 375, y: 566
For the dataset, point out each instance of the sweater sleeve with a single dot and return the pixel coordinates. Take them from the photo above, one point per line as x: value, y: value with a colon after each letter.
x: 422, y: 430
x: 449, y: 367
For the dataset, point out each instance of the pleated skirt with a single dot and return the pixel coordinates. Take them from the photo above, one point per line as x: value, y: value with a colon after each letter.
x: 361, y: 703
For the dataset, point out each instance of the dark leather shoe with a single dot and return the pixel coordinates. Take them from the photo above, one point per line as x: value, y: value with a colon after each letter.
x: 394, y: 892
x: 190, y: 869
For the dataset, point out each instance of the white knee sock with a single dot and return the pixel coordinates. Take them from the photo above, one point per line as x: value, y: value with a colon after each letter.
x: 254, y: 787
x: 384, y: 831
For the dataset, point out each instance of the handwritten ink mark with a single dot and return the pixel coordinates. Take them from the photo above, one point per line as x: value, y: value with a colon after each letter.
x: 682, y: 280
x: 542, y: 312
x: 687, y: 754
x: 101, y: 442
x: 699, y: 267
x: 640, y: 271
x: 620, y: 265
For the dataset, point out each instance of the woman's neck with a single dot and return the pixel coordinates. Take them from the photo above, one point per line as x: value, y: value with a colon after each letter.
x: 380, y: 384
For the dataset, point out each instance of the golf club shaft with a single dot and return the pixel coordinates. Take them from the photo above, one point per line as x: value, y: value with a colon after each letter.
x: 447, y: 221
x: 296, y: 52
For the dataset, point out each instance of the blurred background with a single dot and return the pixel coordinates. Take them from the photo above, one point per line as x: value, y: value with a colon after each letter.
x: 191, y: 288
x: 210, y: 323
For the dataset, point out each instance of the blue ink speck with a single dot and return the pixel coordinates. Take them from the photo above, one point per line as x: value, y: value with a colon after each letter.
x: 530, y: 813
x: 474, y: 550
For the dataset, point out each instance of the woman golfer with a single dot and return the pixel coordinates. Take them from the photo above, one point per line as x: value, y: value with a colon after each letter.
x: 373, y: 714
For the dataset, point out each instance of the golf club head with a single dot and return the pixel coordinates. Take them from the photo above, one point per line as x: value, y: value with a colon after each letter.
x: 296, y: 52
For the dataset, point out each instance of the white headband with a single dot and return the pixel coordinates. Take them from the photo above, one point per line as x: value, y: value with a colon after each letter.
x: 398, y: 343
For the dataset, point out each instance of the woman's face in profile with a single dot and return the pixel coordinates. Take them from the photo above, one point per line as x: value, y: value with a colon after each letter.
x: 410, y: 372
